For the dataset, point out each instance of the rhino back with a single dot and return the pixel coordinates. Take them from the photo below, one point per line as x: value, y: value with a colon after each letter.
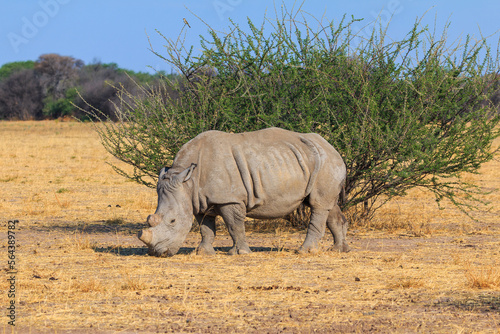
x: 271, y: 171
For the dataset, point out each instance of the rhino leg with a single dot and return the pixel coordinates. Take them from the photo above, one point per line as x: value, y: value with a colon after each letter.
x: 337, y: 224
x: 315, y: 231
x: 234, y: 217
x: 207, y: 230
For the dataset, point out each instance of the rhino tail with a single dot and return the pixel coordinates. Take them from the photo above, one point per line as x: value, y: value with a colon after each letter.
x: 342, y: 196
x: 319, y: 157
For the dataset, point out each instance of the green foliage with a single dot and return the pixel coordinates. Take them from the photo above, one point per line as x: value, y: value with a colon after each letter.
x: 403, y: 114
x: 7, y: 69
x: 60, y: 107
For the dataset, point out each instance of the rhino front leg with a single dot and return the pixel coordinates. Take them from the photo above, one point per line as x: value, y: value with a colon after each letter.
x: 234, y: 217
x: 315, y: 231
x: 207, y: 230
x: 337, y: 224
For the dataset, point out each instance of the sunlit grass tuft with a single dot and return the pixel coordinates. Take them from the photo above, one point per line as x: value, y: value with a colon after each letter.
x: 482, y: 277
x: 406, y: 283
x: 88, y: 285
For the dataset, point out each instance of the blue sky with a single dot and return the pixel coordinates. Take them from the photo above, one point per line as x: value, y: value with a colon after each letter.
x: 117, y: 30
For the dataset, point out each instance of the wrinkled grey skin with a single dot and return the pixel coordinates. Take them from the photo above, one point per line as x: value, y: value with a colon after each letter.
x: 262, y: 174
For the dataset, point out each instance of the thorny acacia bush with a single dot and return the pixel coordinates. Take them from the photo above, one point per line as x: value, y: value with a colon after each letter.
x: 403, y: 114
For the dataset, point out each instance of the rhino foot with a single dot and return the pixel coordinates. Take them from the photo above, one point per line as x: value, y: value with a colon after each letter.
x: 235, y: 250
x: 307, y: 250
x: 344, y: 248
x: 205, y: 250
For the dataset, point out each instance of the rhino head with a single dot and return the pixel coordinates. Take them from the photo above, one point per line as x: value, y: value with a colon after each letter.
x: 172, y: 221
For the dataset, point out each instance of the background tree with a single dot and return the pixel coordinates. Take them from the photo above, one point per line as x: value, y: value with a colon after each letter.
x: 8, y: 69
x: 21, y: 96
x: 97, y: 86
x: 57, y: 73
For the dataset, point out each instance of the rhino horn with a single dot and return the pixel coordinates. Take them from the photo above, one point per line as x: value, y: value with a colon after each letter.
x: 153, y: 220
x: 146, y: 236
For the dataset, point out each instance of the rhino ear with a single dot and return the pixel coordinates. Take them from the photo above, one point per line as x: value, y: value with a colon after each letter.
x: 163, y: 173
x: 184, y: 175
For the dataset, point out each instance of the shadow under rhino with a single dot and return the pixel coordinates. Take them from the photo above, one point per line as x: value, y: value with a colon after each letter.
x: 140, y: 251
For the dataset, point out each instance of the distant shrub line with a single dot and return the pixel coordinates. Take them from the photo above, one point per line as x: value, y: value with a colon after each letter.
x: 53, y: 85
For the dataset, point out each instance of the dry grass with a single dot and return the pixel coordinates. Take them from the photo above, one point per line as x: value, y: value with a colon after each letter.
x: 483, y: 277
x: 415, y: 268
x: 406, y: 282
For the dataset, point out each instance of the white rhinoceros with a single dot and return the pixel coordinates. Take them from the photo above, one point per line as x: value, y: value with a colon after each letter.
x: 261, y: 174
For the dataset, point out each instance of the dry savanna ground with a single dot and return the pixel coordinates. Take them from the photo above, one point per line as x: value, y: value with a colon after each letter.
x: 81, y: 269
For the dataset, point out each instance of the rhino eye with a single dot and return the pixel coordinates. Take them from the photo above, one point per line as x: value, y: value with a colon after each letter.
x: 172, y: 221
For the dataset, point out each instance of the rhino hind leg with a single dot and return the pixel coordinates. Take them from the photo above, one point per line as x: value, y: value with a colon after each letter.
x: 234, y: 217
x: 207, y: 230
x: 337, y: 224
x: 315, y: 231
